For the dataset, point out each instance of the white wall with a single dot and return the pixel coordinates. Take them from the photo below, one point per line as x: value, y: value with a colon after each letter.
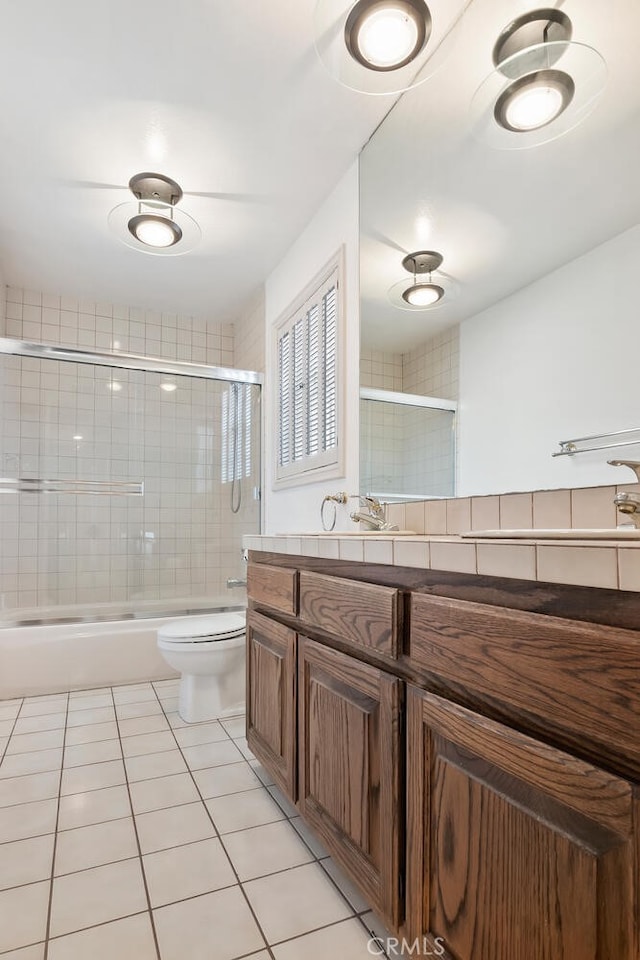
x: 336, y: 223
x: 556, y: 360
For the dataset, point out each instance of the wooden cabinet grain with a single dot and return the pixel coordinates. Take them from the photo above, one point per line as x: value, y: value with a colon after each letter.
x: 470, y: 824
x: 271, y: 698
x: 349, y: 768
x: 514, y: 848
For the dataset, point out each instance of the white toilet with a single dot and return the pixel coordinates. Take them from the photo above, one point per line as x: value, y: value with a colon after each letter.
x: 209, y: 652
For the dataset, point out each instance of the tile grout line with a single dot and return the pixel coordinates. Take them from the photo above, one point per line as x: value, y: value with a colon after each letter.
x: 135, y: 830
x: 218, y: 835
x: 55, y: 841
x: 6, y: 746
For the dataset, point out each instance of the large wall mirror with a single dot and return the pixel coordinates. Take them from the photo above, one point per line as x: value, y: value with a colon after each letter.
x: 537, y: 337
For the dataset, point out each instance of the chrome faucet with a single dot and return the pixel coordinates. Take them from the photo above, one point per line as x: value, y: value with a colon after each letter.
x: 628, y: 503
x: 374, y: 518
x: 235, y: 582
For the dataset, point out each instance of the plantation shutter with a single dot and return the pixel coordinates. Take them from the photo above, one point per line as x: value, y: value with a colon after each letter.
x: 307, y: 362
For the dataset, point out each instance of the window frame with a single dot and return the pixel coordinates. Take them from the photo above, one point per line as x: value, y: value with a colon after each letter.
x: 326, y: 463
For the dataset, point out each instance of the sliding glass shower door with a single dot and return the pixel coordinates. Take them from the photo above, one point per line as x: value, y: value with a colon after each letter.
x: 122, y: 491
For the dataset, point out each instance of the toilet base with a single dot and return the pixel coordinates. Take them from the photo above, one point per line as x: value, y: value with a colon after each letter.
x: 205, y: 698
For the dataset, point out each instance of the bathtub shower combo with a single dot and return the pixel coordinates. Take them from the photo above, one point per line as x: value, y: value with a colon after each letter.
x: 126, y: 485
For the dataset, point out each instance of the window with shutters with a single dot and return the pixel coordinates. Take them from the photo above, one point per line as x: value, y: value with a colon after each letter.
x: 308, y: 340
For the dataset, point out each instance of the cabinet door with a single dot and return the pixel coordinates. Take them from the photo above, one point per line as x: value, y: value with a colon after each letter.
x: 515, y: 849
x: 271, y: 700
x: 349, y: 768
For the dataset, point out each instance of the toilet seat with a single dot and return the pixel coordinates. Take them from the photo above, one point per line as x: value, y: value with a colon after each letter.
x: 216, y: 627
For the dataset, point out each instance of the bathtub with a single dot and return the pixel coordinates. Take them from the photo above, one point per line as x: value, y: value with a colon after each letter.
x: 54, y: 658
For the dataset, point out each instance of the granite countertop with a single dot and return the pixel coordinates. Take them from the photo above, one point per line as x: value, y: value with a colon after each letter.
x: 613, y: 564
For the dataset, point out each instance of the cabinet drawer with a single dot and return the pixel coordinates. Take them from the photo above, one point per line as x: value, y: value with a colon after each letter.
x: 366, y: 614
x: 575, y: 677
x: 274, y: 587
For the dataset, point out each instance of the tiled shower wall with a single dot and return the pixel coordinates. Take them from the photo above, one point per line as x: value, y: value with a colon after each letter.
x: 179, y: 541
x: 413, y: 453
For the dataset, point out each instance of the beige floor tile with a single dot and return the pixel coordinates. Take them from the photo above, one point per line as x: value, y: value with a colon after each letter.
x: 9, y: 712
x: 148, y: 743
x: 216, y: 925
x: 200, y: 733
x: 187, y: 871
x: 93, y: 776
x: 211, y: 754
x: 130, y: 711
x: 92, y: 692
x: 171, y: 684
x: 94, y: 702
x: 346, y: 887
x: 296, y: 901
x: 37, y: 786
x: 21, y: 764
x: 348, y: 941
x: 129, y: 939
x: 96, y: 896
x: 241, y: 810
x: 79, y: 718
x: 34, y: 952
x: 23, y: 915
x: 243, y: 747
x: 155, y: 765
x: 267, y: 849
x: 86, y: 753
x: 52, y: 721
x: 309, y: 838
x: 170, y: 704
x: 288, y: 808
x: 261, y: 772
x: 134, y: 695
x: 93, y: 846
x: 26, y: 861
x: 42, y: 708
x: 92, y: 733
x: 175, y: 720
x: 28, y: 820
x: 235, y: 726
x: 31, y: 742
x: 148, y: 795
x: 230, y: 778
x: 6, y: 727
x: 155, y: 723
x: 173, y: 826
x: 95, y: 806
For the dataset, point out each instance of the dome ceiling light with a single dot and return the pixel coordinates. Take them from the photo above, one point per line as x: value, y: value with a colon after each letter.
x: 422, y: 294
x: 151, y: 223
x: 384, y: 46
x: 543, y: 85
x: 387, y: 34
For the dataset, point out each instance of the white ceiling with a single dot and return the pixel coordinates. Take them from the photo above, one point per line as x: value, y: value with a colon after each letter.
x: 502, y: 219
x: 228, y: 98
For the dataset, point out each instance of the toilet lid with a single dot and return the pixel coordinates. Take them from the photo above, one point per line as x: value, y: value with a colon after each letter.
x: 217, y: 626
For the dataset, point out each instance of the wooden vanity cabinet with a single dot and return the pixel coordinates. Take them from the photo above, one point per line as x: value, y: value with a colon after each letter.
x: 514, y: 848
x: 271, y: 698
x: 349, y: 752
x: 430, y: 745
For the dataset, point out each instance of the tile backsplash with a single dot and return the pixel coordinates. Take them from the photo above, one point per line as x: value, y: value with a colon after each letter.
x: 582, y: 508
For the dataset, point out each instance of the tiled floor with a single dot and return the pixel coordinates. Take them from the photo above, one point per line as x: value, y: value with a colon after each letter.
x: 127, y: 833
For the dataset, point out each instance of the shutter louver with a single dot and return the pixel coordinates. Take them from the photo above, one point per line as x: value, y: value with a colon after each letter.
x: 308, y: 398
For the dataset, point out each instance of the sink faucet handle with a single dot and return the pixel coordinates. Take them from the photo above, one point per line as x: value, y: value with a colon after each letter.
x: 632, y: 464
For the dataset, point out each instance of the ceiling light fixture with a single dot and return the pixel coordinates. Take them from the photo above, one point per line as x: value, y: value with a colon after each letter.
x: 152, y: 223
x: 168, y: 387
x: 422, y: 294
x: 528, y: 99
x: 384, y: 46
